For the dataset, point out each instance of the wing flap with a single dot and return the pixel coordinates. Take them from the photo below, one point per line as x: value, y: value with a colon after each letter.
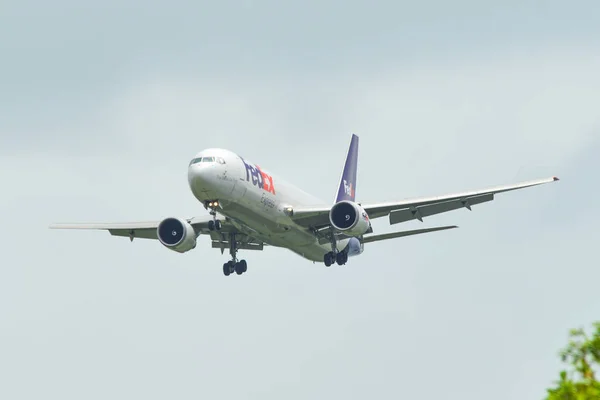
x: 421, y: 212
x: 239, y: 245
x: 393, y: 235
x: 135, y: 233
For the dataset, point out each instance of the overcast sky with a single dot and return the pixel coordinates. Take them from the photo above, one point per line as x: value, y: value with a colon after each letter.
x: 103, y: 105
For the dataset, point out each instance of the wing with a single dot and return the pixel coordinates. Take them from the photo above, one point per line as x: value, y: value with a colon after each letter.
x: 406, y: 210
x: 142, y: 230
x: 147, y: 230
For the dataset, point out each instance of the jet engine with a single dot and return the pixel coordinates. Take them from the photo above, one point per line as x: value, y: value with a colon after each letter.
x: 176, y: 234
x: 350, y: 218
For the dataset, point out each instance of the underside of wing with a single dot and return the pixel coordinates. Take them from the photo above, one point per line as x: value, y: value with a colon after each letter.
x: 170, y: 237
x: 142, y: 230
x: 407, y: 210
x: 421, y: 211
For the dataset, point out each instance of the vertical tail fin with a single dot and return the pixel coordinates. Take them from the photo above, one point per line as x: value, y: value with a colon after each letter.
x: 347, y: 188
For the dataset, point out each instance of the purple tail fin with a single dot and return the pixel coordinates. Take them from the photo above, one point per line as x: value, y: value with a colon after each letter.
x: 347, y: 188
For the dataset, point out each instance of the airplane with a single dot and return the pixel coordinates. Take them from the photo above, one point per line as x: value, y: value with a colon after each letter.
x: 249, y: 208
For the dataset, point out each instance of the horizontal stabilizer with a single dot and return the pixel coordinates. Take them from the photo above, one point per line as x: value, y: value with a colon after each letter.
x: 393, y: 235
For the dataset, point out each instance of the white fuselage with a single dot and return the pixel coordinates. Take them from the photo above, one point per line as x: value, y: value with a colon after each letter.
x: 255, y: 201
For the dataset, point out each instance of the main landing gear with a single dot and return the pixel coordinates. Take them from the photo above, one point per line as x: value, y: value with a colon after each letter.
x: 239, y: 267
x: 341, y: 257
x: 331, y: 258
x: 235, y: 265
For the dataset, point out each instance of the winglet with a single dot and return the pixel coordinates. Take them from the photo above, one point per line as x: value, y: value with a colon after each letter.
x: 555, y: 178
x: 347, y: 187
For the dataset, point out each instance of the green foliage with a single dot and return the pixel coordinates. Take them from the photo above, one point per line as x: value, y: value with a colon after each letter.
x: 583, y: 356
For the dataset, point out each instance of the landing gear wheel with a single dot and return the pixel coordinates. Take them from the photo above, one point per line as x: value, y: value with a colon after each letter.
x: 328, y: 259
x: 342, y: 258
x: 211, y: 225
x: 218, y: 225
x: 241, y: 267
x: 226, y: 269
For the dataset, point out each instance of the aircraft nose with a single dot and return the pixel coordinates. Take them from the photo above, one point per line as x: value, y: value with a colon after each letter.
x: 201, y: 176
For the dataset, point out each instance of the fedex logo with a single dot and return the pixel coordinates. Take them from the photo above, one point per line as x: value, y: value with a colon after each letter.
x: 348, y: 188
x: 259, y: 178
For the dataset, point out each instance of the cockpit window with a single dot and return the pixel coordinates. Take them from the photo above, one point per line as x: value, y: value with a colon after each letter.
x: 207, y: 160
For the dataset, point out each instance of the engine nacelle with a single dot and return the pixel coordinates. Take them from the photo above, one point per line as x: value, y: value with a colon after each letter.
x: 176, y: 234
x: 350, y: 218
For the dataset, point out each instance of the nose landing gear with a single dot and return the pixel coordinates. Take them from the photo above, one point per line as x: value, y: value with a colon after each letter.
x: 215, y: 224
